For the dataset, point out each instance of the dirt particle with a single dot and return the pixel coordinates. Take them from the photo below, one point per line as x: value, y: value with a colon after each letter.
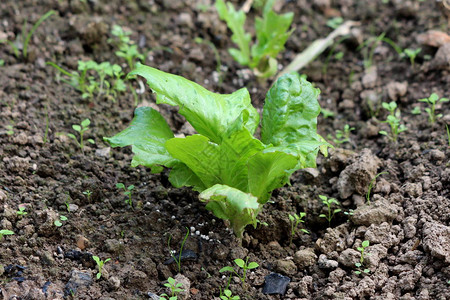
x: 437, y: 240
x: 82, y: 242
x: 305, y: 258
x: 285, y: 266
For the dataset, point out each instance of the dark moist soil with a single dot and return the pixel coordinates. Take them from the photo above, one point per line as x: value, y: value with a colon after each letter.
x: 407, y: 222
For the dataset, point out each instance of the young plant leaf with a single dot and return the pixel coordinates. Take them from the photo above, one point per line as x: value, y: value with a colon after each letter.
x: 231, y: 204
x: 147, y: 134
x: 211, y: 114
x: 290, y: 119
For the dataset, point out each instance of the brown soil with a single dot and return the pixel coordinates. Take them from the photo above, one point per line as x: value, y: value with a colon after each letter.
x: 407, y: 222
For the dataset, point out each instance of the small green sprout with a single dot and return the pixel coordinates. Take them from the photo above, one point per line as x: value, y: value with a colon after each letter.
x: 244, y: 265
x: 335, y: 22
x: 342, y: 136
x: 227, y: 295
x: 432, y: 101
x: 100, y: 264
x: 412, y: 54
x: 295, y: 220
x: 26, y: 36
x: 372, y: 182
x: 331, y: 212
x: 393, y: 119
x: 5, y: 232
x: 416, y: 110
x: 21, y: 212
x: 448, y: 134
x: 10, y: 129
x: 350, y: 212
x: 327, y: 113
x: 88, y: 194
x: 58, y: 223
x: 358, y: 265
x: 127, y: 192
x: 84, y: 126
x: 178, y: 259
x: 127, y: 49
x: 175, y: 289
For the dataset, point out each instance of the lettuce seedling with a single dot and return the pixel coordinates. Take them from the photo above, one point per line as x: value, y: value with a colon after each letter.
x: 393, y: 119
x: 432, y: 101
x: 271, y: 34
x: 234, y: 171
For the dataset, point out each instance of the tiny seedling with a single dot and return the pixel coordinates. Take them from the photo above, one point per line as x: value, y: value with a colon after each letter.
x: 127, y: 49
x: 9, y: 130
x: 393, y: 119
x: 175, y: 289
x: 416, y: 110
x: 81, y: 129
x: 244, y: 265
x: 448, y: 134
x: 412, y: 54
x: 272, y: 32
x: 21, y: 212
x: 58, y: 223
x: 331, y: 212
x: 295, y: 220
x: 335, y: 22
x: 372, y: 182
x: 342, y: 136
x: 358, y: 265
x: 100, y: 264
x: 227, y: 295
x: 5, y: 232
x: 350, y: 212
x: 127, y: 192
x: 327, y: 113
x: 25, y: 36
x: 88, y: 194
x: 172, y: 253
x: 432, y: 101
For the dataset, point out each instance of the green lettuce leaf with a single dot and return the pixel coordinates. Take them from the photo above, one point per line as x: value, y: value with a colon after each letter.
x: 217, y: 164
x: 232, y: 204
x: 268, y: 171
x: 271, y: 34
x: 147, y: 134
x: 235, y: 21
x: 290, y: 119
x: 211, y: 114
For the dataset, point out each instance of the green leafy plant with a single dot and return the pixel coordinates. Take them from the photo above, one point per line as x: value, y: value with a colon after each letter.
x: 228, y: 295
x: 330, y: 212
x: 372, y: 182
x: 5, y: 232
x: 58, y: 222
x: 359, y: 265
x: 172, y: 253
x: 416, y: 111
x: 127, y: 49
x: 393, y: 119
x: 88, y: 194
x: 81, y: 129
x: 126, y: 191
x: 271, y: 34
x: 175, y: 289
x: 234, y: 171
x: 100, y: 263
x: 244, y: 265
x: 25, y: 36
x: 9, y: 130
x: 342, y: 136
x: 412, y: 54
x: 295, y: 220
x: 327, y: 113
x: 21, y: 212
x: 432, y: 101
